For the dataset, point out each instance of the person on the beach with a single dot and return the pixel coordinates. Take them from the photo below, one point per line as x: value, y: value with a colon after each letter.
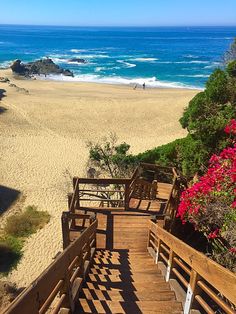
x: 144, y: 85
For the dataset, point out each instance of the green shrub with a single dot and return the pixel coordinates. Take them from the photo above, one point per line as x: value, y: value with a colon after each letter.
x: 217, y: 87
x: 10, y: 253
x: 26, y: 223
x: 231, y: 69
x: 16, y: 229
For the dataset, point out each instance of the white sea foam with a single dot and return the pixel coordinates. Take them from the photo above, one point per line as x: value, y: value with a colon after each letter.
x: 79, y: 50
x: 213, y: 65
x: 59, y: 60
x: 90, y: 56
x: 127, y: 64
x: 5, y: 64
x: 145, y: 59
x: 184, y: 62
x: 151, y: 82
x: 196, y: 75
x: 99, y: 69
x: 191, y: 56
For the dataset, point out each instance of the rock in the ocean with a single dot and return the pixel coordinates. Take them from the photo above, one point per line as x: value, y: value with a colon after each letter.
x: 78, y: 60
x: 18, y: 67
x: 42, y: 66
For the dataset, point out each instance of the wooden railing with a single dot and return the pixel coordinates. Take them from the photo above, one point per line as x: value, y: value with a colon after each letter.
x: 92, y: 190
x: 57, y: 288
x: 69, y: 223
x: 208, y: 285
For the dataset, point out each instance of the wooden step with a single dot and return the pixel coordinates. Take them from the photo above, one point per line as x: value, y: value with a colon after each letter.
x: 144, y: 307
x: 121, y: 281
x: 127, y: 295
x: 135, y: 286
x: 126, y: 271
x: 136, y: 277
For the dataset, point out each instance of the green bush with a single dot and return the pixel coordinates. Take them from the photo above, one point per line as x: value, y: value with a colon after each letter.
x: 16, y: 229
x: 10, y: 253
x: 26, y: 223
x: 217, y: 88
x: 231, y: 69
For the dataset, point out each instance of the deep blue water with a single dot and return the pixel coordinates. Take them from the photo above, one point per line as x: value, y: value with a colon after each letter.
x: 162, y: 57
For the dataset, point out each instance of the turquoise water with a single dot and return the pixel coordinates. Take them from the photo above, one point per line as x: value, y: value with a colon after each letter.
x: 160, y: 57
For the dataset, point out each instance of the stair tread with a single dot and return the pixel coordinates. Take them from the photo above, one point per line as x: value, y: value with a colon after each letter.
x: 124, y: 282
x: 134, y: 286
x: 128, y: 295
x: 103, y: 307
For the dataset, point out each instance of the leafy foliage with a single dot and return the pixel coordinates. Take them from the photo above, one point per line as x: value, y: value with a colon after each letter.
x: 110, y: 158
x: 10, y: 253
x: 230, y: 54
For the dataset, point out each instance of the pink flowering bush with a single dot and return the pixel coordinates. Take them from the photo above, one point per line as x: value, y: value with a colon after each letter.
x: 210, y: 204
x: 231, y: 127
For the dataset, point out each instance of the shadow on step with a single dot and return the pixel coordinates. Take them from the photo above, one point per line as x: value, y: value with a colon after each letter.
x: 119, y: 281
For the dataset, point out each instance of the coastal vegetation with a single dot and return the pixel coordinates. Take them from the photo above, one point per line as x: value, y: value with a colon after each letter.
x: 205, y: 118
x: 209, y: 204
x: 17, y: 229
x: 109, y: 158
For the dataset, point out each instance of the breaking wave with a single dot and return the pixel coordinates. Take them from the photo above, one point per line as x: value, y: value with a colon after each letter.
x: 151, y: 82
x: 127, y: 64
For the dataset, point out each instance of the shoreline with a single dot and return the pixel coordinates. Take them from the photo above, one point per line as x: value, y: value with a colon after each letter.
x: 103, y: 81
x: 44, y: 128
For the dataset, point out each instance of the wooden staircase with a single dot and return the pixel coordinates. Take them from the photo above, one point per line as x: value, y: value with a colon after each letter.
x: 124, y: 281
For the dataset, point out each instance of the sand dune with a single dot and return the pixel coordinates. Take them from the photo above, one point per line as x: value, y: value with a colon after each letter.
x: 43, y: 142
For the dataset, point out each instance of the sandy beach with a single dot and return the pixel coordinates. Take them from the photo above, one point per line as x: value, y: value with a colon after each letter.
x: 43, y: 143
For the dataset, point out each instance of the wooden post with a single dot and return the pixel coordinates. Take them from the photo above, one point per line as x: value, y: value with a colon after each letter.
x: 126, y: 196
x: 74, y: 182
x: 191, y: 292
x: 69, y: 195
x: 67, y: 290
x: 170, y: 265
x: 65, y: 229
x: 158, y: 250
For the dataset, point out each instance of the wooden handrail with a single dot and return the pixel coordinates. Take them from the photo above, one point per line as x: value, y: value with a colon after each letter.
x: 100, y: 181
x: 56, y: 279
x: 203, y: 272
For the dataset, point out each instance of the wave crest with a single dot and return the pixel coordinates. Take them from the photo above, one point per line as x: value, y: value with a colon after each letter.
x: 151, y: 82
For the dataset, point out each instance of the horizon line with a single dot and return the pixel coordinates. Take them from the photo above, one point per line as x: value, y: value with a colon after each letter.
x: 115, y: 26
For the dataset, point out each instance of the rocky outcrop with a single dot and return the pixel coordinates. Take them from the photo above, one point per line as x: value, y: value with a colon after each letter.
x: 38, y: 67
x: 78, y: 60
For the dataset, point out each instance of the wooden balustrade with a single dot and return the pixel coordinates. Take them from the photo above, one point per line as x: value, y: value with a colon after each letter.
x: 68, y: 223
x: 90, y: 190
x: 207, y: 283
x: 57, y: 288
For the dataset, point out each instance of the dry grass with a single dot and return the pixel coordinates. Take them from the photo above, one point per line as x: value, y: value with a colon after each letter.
x: 17, y: 228
x: 26, y: 223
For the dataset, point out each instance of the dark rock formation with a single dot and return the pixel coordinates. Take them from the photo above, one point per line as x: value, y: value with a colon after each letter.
x: 78, y: 60
x: 42, y: 66
x: 18, y: 67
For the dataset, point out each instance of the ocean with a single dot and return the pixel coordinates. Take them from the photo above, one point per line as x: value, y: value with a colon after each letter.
x: 178, y: 57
